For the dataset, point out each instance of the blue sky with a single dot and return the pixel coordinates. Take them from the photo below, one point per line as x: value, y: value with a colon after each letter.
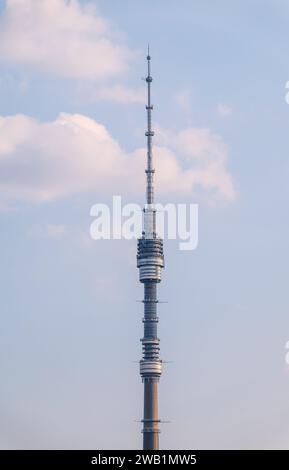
x: 70, y: 323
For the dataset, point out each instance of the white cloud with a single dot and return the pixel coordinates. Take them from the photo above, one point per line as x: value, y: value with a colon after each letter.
x: 64, y: 38
x: 205, y: 156
x: 44, y: 161
x: 224, y: 110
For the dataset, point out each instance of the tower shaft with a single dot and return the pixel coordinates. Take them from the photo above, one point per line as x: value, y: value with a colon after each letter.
x: 150, y: 261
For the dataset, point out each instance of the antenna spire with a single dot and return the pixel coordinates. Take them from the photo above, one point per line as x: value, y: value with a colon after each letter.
x: 149, y: 134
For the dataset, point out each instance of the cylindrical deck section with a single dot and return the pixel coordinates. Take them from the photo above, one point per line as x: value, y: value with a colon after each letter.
x: 150, y: 273
x: 150, y: 259
x: 150, y: 368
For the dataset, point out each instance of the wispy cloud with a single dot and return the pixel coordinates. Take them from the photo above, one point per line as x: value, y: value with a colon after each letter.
x: 8, y: 81
x: 121, y: 94
x: 52, y: 231
x: 224, y: 110
x: 73, y: 154
x: 183, y: 99
x: 55, y: 230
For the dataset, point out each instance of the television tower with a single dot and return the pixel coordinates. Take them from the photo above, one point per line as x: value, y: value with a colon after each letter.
x: 150, y: 261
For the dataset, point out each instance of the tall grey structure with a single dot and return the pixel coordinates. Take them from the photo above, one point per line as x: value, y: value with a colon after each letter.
x: 150, y: 261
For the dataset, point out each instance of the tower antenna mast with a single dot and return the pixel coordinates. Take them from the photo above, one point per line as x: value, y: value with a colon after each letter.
x: 150, y: 261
